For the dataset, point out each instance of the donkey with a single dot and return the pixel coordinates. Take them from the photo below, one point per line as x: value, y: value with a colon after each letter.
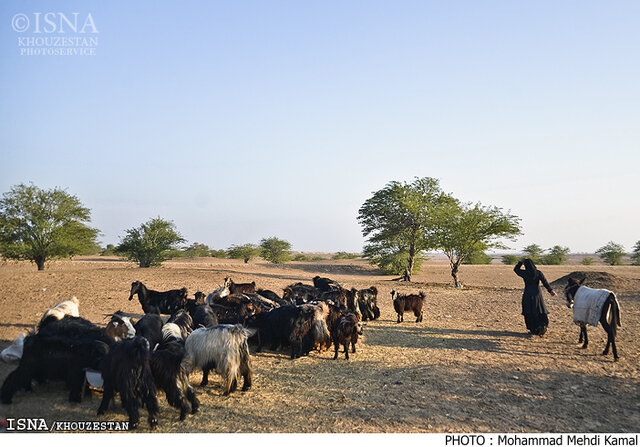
x: 609, y: 316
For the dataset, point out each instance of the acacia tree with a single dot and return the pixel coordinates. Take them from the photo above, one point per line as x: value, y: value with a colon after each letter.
x: 274, y: 250
x: 557, y: 255
x: 611, y: 253
x: 246, y: 252
x: 397, y: 222
x: 150, y: 243
x: 38, y: 225
x: 533, y: 252
x: 462, y: 229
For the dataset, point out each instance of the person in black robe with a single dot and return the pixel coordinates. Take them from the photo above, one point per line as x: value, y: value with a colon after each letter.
x: 533, y: 308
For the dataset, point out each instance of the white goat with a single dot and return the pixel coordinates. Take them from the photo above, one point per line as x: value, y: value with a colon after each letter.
x: 69, y: 307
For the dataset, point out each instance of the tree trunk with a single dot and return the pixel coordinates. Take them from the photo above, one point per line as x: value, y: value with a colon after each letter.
x: 39, y: 260
x: 454, y: 273
x: 246, y: 260
x: 408, y: 272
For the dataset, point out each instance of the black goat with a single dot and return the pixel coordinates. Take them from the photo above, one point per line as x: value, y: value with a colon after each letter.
x: 150, y: 327
x: 203, y: 316
x: 76, y: 328
x: 368, y: 303
x: 325, y: 284
x: 54, y: 357
x: 126, y: 370
x: 154, y: 302
x: 233, y: 314
x: 173, y: 380
x: 299, y: 293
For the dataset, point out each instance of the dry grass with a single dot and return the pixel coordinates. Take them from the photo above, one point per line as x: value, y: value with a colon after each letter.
x: 467, y: 367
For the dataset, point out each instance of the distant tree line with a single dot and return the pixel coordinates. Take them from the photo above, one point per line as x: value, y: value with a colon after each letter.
x: 611, y: 253
x: 402, y: 221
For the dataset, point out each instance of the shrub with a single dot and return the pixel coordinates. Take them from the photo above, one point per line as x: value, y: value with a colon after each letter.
x: 478, y: 257
x: 557, y: 256
x: 109, y: 250
x: 510, y: 259
x: 222, y: 254
x: 346, y: 255
x: 196, y: 250
x: 587, y: 261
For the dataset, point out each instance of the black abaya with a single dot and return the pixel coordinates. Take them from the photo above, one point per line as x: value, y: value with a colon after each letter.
x: 533, y: 308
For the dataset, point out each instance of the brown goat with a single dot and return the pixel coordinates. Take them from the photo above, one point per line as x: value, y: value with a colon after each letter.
x: 347, y: 329
x: 240, y: 288
x: 406, y: 303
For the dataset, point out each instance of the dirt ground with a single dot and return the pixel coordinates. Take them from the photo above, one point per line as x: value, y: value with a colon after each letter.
x: 468, y: 367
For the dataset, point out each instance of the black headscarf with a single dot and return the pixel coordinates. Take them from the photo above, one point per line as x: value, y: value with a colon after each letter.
x: 529, y: 267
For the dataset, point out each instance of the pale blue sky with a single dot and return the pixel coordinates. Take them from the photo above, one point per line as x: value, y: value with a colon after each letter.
x: 243, y: 120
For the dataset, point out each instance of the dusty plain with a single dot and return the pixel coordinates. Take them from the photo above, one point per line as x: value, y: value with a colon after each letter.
x: 468, y: 367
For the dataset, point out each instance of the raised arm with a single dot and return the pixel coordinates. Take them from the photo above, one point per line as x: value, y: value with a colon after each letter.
x: 518, y: 269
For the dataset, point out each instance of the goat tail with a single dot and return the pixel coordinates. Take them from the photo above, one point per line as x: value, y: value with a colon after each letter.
x: 235, y: 358
x: 320, y: 331
x: 616, y: 312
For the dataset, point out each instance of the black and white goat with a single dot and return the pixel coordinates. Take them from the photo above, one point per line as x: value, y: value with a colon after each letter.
x: 68, y: 307
x: 222, y: 348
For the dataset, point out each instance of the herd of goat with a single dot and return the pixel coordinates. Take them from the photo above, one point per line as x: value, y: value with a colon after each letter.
x: 209, y: 332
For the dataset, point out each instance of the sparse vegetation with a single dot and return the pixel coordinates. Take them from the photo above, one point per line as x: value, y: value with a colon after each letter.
x: 109, y: 250
x: 150, y: 243
x: 196, y: 250
x: 557, y: 256
x: 478, y: 258
x: 220, y: 254
x: 510, y: 259
x: 39, y: 225
x: 346, y: 255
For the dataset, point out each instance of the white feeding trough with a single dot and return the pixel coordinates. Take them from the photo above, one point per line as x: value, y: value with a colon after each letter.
x: 93, y: 378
